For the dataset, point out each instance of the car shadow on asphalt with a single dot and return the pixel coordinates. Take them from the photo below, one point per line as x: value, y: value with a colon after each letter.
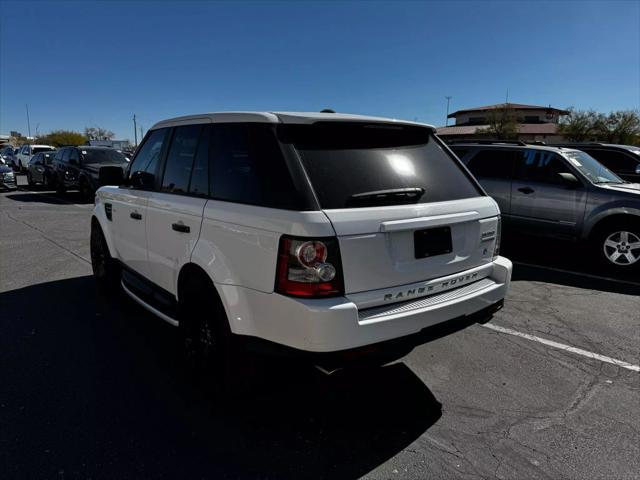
x: 96, y: 388
x: 49, y: 197
x: 561, y: 262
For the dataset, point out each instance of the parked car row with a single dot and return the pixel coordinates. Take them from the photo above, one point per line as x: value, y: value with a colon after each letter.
x: 565, y: 193
x: 73, y: 168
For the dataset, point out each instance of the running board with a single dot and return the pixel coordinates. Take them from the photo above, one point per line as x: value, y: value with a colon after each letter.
x: 145, y: 305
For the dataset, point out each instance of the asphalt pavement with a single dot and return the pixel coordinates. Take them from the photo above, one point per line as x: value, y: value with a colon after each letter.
x: 95, y: 388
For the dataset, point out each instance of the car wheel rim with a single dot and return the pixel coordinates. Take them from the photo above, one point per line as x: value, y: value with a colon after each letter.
x: 622, y: 248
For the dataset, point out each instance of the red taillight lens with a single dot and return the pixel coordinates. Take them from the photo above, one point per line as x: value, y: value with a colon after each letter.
x: 309, y: 268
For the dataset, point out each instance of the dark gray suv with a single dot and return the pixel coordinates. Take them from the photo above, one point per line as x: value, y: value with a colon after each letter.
x: 561, y: 192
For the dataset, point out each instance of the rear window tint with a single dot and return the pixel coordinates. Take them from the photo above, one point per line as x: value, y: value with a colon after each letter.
x: 353, y: 165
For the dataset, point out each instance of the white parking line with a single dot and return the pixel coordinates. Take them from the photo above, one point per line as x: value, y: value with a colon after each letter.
x: 581, y: 274
x: 562, y: 346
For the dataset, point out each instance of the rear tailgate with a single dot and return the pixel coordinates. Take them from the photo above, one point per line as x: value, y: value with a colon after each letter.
x: 378, y: 250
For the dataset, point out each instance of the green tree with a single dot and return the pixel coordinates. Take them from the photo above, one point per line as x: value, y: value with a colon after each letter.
x: 60, y: 138
x: 502, y: 124
x: 579, y: 125
x: 622, y: 126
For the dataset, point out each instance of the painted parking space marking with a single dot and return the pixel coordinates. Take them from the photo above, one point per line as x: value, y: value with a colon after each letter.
x: 562, y: 346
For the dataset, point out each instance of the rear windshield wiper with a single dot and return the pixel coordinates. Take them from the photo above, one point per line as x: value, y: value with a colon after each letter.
x: 391, y: 196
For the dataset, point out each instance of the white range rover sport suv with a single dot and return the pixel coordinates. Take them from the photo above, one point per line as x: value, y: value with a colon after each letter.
x: 322, y: 234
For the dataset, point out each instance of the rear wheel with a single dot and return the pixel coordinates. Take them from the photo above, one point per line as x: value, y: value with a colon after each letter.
x: 618, y: 246
x: 208, y: 345
x: 105, y: 269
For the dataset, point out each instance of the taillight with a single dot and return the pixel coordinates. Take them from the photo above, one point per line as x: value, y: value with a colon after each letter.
x: 309, y: 267
x: 496, y: 249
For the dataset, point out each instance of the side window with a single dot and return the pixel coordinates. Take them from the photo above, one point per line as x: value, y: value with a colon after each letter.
x: 182, y: 152
x: 616, y: 161
x: 247, y: 166
x: 199, y: 184
x: 496, y: 163
x: 148, y: 156
x: 540, y: 166
x: 74, y: 155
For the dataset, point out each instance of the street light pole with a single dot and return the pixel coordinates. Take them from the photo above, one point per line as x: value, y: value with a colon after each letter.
x: 135, y: 130
x: 446, y: 121
x: 28, y: 122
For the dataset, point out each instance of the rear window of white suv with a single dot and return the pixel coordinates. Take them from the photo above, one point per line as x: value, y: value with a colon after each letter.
x: 353, y: 165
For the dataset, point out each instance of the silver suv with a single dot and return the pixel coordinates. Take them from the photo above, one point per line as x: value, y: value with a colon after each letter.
x: 561, y: 192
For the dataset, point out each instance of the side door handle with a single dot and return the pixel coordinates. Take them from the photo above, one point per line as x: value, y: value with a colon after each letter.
x: 526, y: 190
x: 136, y: 215
x: 180, y: 227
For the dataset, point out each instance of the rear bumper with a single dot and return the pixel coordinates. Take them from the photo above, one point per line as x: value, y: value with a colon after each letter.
x: 336, y: 324
x: 376, y: 353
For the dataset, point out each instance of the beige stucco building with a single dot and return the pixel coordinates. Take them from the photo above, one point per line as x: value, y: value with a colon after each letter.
x: 536, y: 123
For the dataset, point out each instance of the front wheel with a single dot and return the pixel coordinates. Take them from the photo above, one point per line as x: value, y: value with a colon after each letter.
x: 60, y: 185
x: 618, y: 246
x: 105, y: 269
x: 85, y: 190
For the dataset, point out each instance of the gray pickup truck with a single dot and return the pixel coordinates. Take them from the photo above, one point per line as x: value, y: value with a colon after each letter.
x: 560, y: 192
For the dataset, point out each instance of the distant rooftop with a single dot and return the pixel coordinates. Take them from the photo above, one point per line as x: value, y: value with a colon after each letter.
x: 515, y: 106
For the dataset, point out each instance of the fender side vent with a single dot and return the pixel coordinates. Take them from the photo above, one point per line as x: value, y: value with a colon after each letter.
x: 107, y: 210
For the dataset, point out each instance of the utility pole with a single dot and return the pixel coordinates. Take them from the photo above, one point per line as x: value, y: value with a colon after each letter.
x: 135, y: 130
x: 446, y: 121
x: 28, y: 122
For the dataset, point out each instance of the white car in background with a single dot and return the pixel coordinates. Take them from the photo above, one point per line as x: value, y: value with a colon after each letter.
x: 27, y: 151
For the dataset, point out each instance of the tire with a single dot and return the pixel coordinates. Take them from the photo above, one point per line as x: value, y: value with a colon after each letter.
x: 617, y: 246
x: 106, y: 270
x: 85, y: 190
x: 60, y: 185
x: 209, y: 348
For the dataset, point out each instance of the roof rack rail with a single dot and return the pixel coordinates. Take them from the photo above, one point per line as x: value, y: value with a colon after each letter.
x: 489, y: 142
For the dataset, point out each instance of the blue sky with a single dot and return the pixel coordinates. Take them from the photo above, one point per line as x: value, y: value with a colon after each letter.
x: 83, y: 64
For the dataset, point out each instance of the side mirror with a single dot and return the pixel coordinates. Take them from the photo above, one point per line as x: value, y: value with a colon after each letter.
x: 569, y: 180
x: 142, y: 180
x: 110, y: 176
x: 638, y: 169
